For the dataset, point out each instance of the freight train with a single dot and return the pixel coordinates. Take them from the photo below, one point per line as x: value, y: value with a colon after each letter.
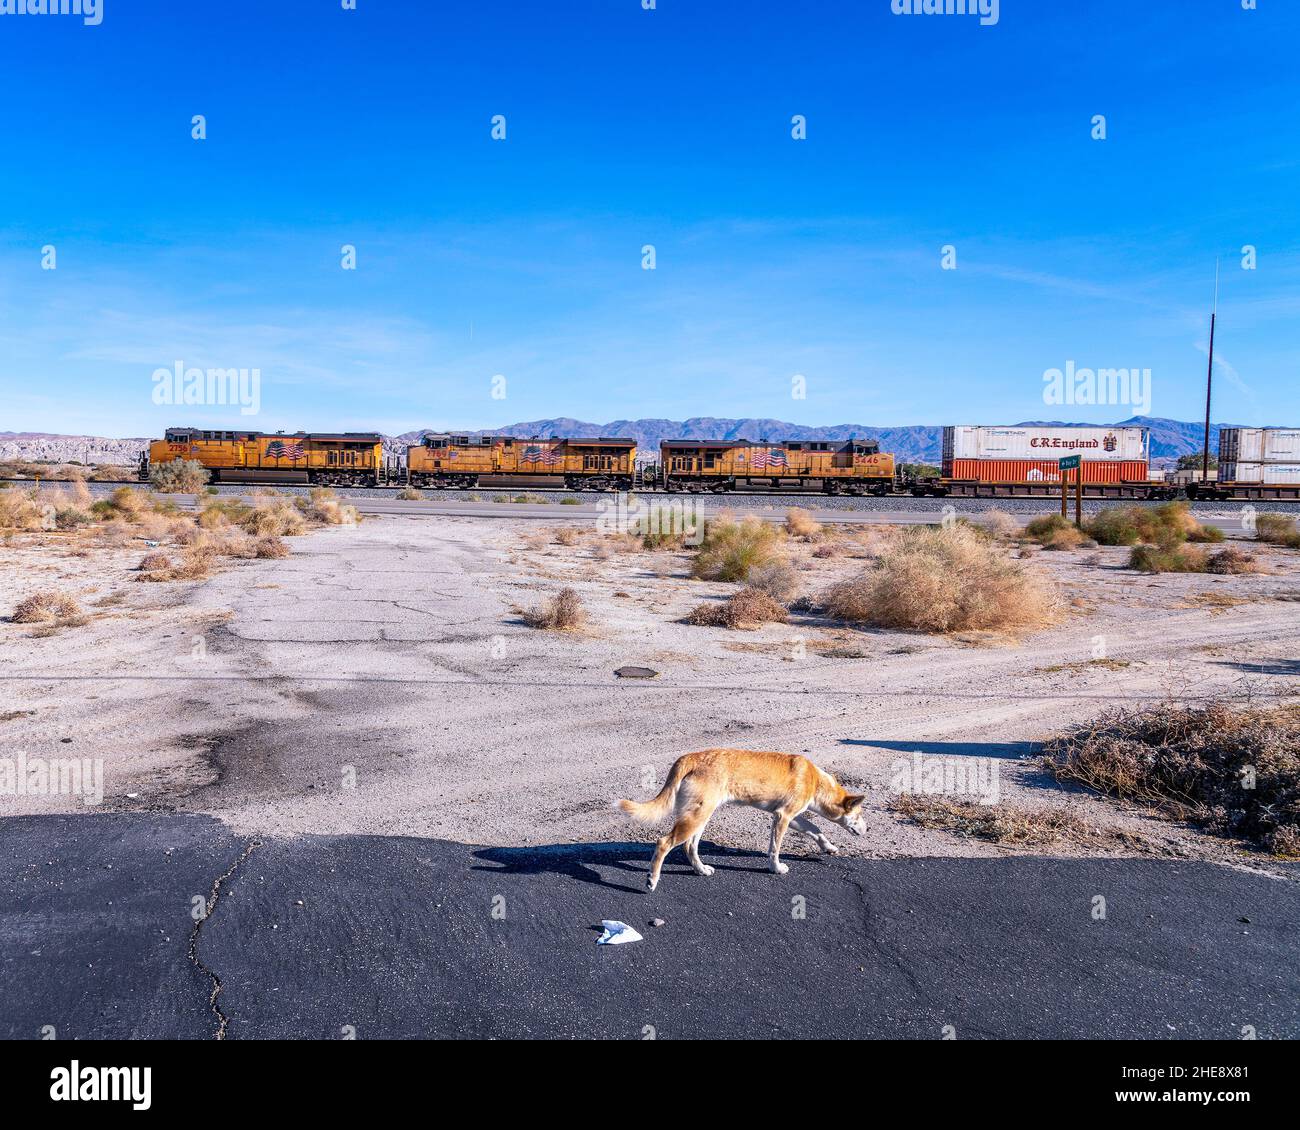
x: 838, y: 467
x: 324, y: 458
x: 459, y: 462
x: 977, y: 462
x: 1005, y: 462
x: 1254, y: 463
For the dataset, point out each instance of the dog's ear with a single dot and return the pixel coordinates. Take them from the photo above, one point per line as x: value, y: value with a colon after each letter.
x: 852, y: 801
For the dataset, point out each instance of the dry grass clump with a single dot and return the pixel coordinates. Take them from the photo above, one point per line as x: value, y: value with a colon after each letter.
x: 730, y: 549
x: 1231, y: 559
x: 799, y: 524
x: 323, y: 505
x: 1233, y: 770
x: 408, y: 494
x: 1277, y: 529
x: 567, y: 535
x: 1167, y: 523
x: 180, y: 476
x: 993, y: 823
x: 48, y: 606
x: 560, y: 613
x: 777, y: 579
x: 746, y: 609
x: 152, y: 562
x: 933, y: 579
x: 826, y: 550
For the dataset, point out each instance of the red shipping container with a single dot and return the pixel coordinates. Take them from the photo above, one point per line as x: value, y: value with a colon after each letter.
x: 1044, y: 471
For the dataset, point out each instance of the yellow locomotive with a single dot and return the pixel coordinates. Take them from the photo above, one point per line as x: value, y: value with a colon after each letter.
x: 334, y: 459
x: 459, y: 461
x: 841, y: 466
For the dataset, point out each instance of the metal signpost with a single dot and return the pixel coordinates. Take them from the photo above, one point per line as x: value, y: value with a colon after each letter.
x: 1072, y: 463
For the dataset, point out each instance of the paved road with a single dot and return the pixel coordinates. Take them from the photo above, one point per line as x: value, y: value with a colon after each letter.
x: 387, y: 936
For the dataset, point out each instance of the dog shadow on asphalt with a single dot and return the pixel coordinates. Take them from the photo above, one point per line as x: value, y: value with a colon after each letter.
x: 589, y: 863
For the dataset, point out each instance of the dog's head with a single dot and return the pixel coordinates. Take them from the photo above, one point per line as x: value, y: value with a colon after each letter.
x: 850, y: 814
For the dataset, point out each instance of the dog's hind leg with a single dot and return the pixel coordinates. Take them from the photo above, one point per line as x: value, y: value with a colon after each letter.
x: 686, y: 828
x: 807, y: 826
x: 693, y: 849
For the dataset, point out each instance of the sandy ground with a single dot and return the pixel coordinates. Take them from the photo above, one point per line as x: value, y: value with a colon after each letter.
x: 381, y: 681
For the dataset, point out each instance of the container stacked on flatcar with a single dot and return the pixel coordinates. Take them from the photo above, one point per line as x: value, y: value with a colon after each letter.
x: 1255, y: 463
x: 326, y: 458
x: 444, y: 462
x: 1025, y: 459
x: 839, y: 466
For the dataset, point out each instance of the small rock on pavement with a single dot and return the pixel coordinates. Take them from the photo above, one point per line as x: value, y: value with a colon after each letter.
x: 657, y: 922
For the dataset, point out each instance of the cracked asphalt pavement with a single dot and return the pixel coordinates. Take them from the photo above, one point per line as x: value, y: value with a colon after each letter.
x: 392, y: 936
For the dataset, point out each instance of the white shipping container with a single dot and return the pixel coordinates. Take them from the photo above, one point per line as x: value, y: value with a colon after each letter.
x: 1270, y: 474
x: 1101, y: 444
x: 1260, y: 445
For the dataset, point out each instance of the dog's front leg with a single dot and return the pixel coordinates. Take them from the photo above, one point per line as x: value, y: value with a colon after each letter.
x: 806, y: 825
x: 780, y: 822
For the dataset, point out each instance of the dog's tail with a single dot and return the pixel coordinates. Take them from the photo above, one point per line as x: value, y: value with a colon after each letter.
x: 652, y: 810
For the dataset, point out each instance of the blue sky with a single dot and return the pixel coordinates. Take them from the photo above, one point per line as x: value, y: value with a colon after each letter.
x: 627, y: 127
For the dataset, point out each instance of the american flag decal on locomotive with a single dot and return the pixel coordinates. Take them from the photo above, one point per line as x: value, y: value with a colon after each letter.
x: 767, y: 458
x: 284, y: 449
x: 542, y: 456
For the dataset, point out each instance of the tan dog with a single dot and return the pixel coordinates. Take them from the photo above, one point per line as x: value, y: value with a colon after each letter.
x: 784, y: 784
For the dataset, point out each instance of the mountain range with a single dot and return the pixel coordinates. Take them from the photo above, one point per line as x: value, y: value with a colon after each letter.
x: 918, y: 443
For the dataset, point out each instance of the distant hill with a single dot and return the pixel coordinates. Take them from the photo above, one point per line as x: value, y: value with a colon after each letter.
x: 918, y: 443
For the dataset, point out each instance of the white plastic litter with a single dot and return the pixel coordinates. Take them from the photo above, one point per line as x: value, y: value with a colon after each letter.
x: 616, y: 933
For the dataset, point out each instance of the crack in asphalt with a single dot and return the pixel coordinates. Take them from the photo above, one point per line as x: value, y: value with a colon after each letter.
x: 192, y: 952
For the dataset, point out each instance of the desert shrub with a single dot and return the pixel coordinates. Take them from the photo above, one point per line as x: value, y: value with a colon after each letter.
x: 799, y: 524
x: 570, y: 502
x: 274, y: 515
x: 271, y: 547
x: 1170, y: 554
x: 944, y: 580
x: 824, y: 551
x: 562, y: 612
x: 567, y: 535
x: 1066, y: 537
x: 777, y: 579
x: 998, y: 523
x: 1043, y: 527
x: 408, y: 494
x: 128, y: 503
x: 152, y: 562
x: 730, y: 549
x: 180, y: 476
x: 19, y: 510
x: 747, y: 608
x: 46, y: 606
x: 1167, y: 523
x: 323, y: 505
x: 216, y: 511
x: 660, y: 540
x: 1234, y: 770
x: 1231, y: 559
x: 1277, y: 529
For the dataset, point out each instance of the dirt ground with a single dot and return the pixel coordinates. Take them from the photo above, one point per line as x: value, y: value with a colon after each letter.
x: 381, y: 680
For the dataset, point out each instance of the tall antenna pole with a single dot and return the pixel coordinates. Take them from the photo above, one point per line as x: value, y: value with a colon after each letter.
x: 1209, y: 381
